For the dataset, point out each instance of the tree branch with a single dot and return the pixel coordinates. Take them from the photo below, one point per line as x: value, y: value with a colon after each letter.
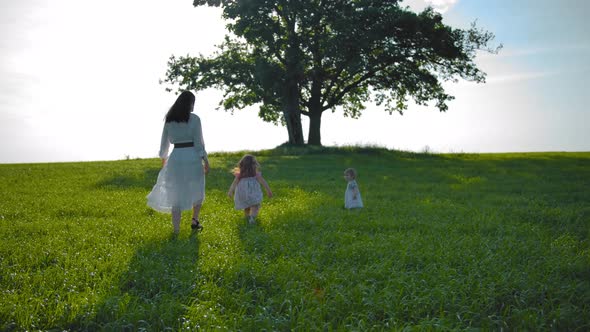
x: 334, y: 99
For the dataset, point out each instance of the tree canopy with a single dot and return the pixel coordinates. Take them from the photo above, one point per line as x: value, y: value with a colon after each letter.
x: 296, y: 58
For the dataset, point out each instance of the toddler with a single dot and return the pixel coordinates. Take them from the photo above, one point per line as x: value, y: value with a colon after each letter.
x: 245, y: 188
x: 352, y: 196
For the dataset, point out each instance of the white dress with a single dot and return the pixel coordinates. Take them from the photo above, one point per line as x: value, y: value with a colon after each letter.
x: 181, y: 182
x: 248, y: 193
x: 349, y: 202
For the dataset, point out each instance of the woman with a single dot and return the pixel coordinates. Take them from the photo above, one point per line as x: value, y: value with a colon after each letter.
x: 181, y: 181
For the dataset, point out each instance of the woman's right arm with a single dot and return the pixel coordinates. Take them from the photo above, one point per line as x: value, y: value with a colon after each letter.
x: 199, y: 143
x: 164, y: 145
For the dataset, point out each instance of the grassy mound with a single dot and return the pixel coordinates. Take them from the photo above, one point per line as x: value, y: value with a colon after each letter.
x: 495, y: 241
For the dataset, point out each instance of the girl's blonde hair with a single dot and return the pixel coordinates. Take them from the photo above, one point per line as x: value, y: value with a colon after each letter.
x: 351, y: 172
x: 247, y: 167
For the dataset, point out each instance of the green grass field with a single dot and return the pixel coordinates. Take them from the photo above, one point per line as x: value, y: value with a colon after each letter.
x: 445, y: 242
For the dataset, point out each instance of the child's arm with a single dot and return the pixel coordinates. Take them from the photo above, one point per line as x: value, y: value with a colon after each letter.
x: 354, y: 190
x: 263, y: 182
x: 232, y: 188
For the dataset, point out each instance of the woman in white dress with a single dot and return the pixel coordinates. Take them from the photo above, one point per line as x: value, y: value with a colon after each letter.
x: 181, y: 181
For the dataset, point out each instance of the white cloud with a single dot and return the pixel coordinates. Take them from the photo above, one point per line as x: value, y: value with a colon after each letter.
x: 532, y: 75
x: 521, y: 76
x: 546, y: 49
x: 441, y: 6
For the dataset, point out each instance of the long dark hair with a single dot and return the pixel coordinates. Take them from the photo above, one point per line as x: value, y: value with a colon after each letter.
x: 182, y: 108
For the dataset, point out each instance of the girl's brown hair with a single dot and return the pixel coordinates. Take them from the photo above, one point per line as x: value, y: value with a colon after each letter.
x: 351, y: 172
x: 247, y: 167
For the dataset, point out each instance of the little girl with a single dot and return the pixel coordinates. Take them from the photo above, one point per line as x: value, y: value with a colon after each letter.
x: 352, y: 196
x: 245, y: 188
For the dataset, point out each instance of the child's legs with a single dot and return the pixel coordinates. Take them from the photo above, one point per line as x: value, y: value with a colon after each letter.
x: 176, y: 214
x: 254, y: 209
x: 247, y: 212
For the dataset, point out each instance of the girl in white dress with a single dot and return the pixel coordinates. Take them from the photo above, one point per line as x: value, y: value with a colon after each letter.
x: 245, y: 188
x: 181, y: 181
x: 352, y: 196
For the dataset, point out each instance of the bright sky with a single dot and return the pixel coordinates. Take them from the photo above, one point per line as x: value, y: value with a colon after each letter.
x: 79, y: 80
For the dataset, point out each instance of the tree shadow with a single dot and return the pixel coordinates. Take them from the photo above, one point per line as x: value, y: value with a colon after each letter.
x: 291, y: 262
x: 130, y: 180
x: 275, y: 251
x: 153, y: 293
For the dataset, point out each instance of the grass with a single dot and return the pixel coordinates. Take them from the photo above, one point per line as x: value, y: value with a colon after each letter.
x: 445, y: 242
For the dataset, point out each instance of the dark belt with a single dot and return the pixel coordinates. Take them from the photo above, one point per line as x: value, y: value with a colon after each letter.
x: 184, y: 145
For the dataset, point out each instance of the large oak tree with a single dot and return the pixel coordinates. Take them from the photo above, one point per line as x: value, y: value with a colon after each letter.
x: 298, y: 58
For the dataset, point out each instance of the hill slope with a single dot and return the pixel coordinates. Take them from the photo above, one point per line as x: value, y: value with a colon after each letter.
x: 453, y: 241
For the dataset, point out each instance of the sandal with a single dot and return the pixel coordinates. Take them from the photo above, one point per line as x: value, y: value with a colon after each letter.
x: 196, y: 225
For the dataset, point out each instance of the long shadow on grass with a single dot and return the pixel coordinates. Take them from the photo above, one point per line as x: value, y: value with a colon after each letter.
x: 130, y: 181
x: 291, y: 269
x: 454, y: 252
x: 218, y: 178
x: 153, y: 294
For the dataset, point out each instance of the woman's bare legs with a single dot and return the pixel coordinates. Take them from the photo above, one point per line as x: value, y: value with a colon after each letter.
x: 195, y: 224
x: 197, y: 210
x: 247, y: 212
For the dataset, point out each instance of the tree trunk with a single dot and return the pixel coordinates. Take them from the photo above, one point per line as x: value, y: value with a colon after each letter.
x: 292, y: 117
x: 291, y: 111
x: 314, y: 136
